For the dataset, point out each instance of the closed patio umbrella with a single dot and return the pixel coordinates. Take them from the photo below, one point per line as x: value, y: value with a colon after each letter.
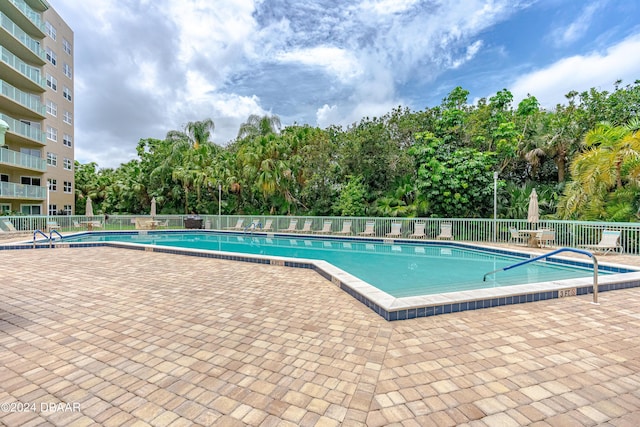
x: 533, y: 215
x: 153, y: 207
x: 89, y: 209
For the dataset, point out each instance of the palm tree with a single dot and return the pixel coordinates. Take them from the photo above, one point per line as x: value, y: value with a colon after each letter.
x: 259, y: 126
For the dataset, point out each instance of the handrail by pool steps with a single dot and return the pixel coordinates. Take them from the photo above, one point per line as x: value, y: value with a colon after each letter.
x: 578, y: 251
x: 49, y: 238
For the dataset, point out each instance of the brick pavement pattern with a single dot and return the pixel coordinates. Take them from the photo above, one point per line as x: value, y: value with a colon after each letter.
x: 132, y: 338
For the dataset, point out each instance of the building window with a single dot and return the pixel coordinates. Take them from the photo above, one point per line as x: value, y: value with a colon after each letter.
x: 51, y: 30
x: 67, y: 70
x: 4, y: 177
x: 67, y: 140
x: 31, y: 209
x: 66, y: 92
x: 53, y: 184
x: 52, y: 82
x: 30, y: 180
x: 52, y: 159
x: 52, y: 108
x: 68, y: 164
x: 68, y: 119
x: 68, y: 187
x: 5, y: 208
x: 67, y: 210
x: 52, y: 133
x: 53, y: 209
x: 66, y: 46
x: 51, y: 56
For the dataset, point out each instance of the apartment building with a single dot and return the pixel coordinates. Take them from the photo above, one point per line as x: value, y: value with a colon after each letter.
x: 36, y: 108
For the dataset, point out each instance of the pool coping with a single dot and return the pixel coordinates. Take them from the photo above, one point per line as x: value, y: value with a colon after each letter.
x: 387, y: 306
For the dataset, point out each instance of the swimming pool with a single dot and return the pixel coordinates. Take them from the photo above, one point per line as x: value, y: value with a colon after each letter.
x: 371, y: 269
x: 400, y: 269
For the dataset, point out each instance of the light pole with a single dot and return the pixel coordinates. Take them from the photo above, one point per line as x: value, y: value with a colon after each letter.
x: 495, y: 206
x: 219, y: 206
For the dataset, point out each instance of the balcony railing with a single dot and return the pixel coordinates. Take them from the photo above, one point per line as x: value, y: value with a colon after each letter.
x: 10, y: 190
x: 22, y: 160
x: 29, y: 13
x: 27, y: 100
x: 32, y: 73
x: 28, y: 131
x: 18, y: 33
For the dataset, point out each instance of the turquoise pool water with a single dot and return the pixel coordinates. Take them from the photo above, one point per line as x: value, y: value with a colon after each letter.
x: 401, y: 270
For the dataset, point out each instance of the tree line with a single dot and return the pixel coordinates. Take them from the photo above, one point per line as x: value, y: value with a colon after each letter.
x: 582, y: 157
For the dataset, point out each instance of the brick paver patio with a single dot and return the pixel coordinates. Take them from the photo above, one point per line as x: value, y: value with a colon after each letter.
x: 104, y: 336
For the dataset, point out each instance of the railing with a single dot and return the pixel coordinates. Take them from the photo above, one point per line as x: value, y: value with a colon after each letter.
x: 12, y: 190
x: 27, y: 100
x: 28, y: 131
x: 557, y: 251
x: 30, y: 72
x: 33, y: 16
x: 567, y: 233
x: 18, y: 33
x: 22, y: 160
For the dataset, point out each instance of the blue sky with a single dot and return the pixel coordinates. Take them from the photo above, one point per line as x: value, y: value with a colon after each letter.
x: 145, y: 67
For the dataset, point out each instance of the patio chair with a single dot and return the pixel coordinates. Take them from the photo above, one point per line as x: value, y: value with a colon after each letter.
x: 445, y: 231
x: 292, y: 226
x: 306, y: 228
x: 346, y: 228
x: 609, y: 242
x: 396, y: 230
x: 326, y: 228
x: 239, y: 225
x: 368, y: 229
x: 96, y: 224
x: 8, y: 225
x: 516, y: 237
x: 546, y: 237
x: 76, y: 224
x: 418, y: 231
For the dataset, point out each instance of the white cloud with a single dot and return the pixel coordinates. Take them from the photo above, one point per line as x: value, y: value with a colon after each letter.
x: 581, y: 72
x: 565, y: 35
x: 336, y: 61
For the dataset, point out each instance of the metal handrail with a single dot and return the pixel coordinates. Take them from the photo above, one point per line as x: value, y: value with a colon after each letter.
x: 579, y: 251
x: 43, y: 235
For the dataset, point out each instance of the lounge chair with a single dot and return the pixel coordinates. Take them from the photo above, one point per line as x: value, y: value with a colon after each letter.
x: 418, y: 231
x: 546, y: 237
x: 516, y: 237
x: 292, y: 226
x: 445, y: 231
x: 306, y: 228
x: 76, y: 224
x: 346, y: 228
x: 52, y: 225
x: 326, y: 228
x: 96, y: 224
x: 8, y: 225
x: 609, y: 242
x: 396, y: 230
x: 239, y: 225
x: 268, y: 224
x: 368, y: 229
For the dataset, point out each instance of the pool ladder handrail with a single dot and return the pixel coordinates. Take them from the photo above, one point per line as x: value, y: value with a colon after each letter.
x: 252, y: 226
x: 557, y: 251
x: 49, y: 238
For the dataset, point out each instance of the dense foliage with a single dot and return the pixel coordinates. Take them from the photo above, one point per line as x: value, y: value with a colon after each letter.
x: 583, y: 158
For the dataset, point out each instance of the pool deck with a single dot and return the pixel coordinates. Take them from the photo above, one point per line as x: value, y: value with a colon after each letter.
x: 149, y: 338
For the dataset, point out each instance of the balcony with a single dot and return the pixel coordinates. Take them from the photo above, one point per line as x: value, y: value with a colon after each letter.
x: 34, y: 17
x: 26, y: 133
x: 20, y: 42
x: 25, y: 104
x: 22, y: 161
x: 10, y: 190
x: 19, y: 73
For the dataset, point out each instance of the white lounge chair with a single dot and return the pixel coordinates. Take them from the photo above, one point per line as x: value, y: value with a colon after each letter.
x: 8, y: 225
x: 52, y: 225
x: 346, y: 228
x: 368, y: 229
x: 306, y: 228
x: 546, y: 237
x: 326, y: 228
x: 292, y: 226
x: 268, y: 224
x: 396, y: 230
x: 445, y: 231
x: 609, y: 242
x: 418, y: 231
x: 239, y: 225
